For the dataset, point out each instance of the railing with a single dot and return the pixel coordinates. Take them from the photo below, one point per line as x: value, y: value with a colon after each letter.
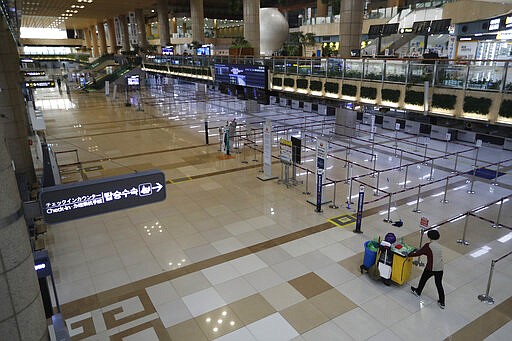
x: 487, y: 75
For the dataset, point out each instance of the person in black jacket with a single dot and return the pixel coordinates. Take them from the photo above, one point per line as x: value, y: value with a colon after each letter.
x: 434, y: 266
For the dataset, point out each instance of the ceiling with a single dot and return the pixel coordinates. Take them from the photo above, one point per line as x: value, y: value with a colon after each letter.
x: 83, y: 13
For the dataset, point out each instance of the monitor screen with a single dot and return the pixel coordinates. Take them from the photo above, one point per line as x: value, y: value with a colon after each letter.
x: 133, y: 80
x: 168, y: 51
x: 254, y: 76
x: 203, y: 51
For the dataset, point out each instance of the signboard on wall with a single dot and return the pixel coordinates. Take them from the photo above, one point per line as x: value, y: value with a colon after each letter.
x: 467, y: 49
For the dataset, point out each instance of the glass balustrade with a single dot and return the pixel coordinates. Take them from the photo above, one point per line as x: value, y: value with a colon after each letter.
x: 472, y: 75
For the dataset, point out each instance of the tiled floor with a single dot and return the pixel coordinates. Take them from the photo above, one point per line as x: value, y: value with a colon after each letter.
x: 229, y: 257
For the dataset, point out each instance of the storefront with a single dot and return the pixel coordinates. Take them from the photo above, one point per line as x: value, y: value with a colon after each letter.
x: 489, y: 39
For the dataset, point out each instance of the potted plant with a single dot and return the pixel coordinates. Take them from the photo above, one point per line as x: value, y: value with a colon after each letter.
x: 241, y: 47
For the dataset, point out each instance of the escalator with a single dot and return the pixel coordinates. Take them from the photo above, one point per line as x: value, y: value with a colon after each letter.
x: 99, y: 83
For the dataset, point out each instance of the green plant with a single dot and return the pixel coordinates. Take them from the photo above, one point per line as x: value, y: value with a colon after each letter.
x: 390, y: 95
x: 479, y: 106
x: 349, y: 90
x: 331, y: 87
x: 444, y: 101
x: 352, y: 74
x: 290, y: 82
x: 315, y: 85
x: 370, y: 93
x: 277, y: 81
x: 506, y: 108
x: 302, y: 83
x: 414, y: 97
x: 240, y: 43
x: 374, y: 76
x: 395, y: 78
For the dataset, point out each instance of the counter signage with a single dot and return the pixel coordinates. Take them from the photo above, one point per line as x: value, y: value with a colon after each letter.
x: 72, y: 201
x: 40, y: 84
x: 286, y: 151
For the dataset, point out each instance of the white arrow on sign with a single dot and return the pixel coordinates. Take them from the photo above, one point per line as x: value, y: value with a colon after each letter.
x: 158, y: 187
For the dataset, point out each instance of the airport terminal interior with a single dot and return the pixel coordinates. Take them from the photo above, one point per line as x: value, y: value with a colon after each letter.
x: 284, y: 212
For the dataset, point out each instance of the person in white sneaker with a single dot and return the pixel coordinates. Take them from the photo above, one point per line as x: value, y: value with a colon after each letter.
x: 434, y: 266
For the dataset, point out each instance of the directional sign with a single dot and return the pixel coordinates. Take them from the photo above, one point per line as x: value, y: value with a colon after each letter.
x: 79, y: 200
x: 286, y: 151
x: 34, y: 73
x: 40, y: 84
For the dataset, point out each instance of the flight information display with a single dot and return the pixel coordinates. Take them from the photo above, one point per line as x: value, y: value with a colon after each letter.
x: 254, y: 76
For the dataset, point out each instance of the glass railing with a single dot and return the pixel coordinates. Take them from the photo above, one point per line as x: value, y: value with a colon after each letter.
x: 459, y: 74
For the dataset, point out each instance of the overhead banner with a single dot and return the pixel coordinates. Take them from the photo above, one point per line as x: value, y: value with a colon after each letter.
x: 87, y: 198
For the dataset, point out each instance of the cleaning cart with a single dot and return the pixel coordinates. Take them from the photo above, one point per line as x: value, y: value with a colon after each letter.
x: 387, y: 260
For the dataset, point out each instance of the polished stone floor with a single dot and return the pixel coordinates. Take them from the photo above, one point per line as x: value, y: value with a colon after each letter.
x: 230, y: 257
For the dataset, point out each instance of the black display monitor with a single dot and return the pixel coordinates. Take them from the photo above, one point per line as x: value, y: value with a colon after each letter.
x: 254, y: 76
x: 440, y: 26
x: 421, y: 27
x: 375, y: 31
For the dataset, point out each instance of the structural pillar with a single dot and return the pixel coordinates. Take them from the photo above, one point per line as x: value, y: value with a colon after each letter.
x: 252, y: 24
x: 174, y: 25
x: 321, y: 8
x: 141, y: 28
x: 125, y: 38
x: 87, y: 37
x: 351, y: 24
x: 95, y: 51
x: 112, y: 36
x: 102, y: 38
x: 22, y: 315
x: 197, y: 14
x: 13, y: 116
x: 163, y: 22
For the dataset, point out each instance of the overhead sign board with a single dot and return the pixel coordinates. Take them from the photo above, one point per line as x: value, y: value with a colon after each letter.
x: 79, y: 200
x: 40, y: 84
x: 34, y: 73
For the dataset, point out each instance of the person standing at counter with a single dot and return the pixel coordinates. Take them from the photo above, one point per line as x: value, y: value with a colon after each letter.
x: 434, y: 266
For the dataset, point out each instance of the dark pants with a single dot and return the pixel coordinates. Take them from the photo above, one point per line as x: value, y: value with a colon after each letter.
x: 438, y: 277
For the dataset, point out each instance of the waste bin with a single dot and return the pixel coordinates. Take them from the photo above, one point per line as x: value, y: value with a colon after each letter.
x: 370, y: 253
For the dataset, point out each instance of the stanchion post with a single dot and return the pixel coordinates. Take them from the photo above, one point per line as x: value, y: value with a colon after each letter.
x: 388, y: 218
x: 471, y: 191
x: 419, y: 262
x: 373, y: 149
x: 417, y: 209
x: 307, y: 178
x: 497, y: 223
x: 348, y: 173
x: 376, y: 193
x: 495, y: 182
x: 463, y: 241
x: 349, y: 143
x: 346, y: 157
x: 425, y: 155
x: 455, y: 165
x: 485, y: 297
x: 430, y: 177
x: 349, y: 199
x: 206, y: 137
x: 374, y: 166
x: 445, y: 201
x: 401, y: 156
x: 405, y: 178
x: 333, y: 205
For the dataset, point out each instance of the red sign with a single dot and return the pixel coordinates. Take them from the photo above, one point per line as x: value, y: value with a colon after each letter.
x: 424, y: 222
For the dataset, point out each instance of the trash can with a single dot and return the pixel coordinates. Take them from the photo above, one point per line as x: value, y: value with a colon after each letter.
x: 370, y: 253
